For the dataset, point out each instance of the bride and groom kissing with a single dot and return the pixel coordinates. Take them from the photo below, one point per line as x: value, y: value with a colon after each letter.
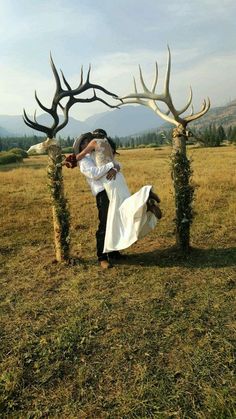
x: 123, y: 218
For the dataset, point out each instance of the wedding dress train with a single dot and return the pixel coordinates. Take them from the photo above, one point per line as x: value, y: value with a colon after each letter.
x: 128, y: 219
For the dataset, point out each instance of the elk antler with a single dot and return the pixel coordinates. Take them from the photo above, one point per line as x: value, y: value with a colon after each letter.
x: 149, y: 97
x: 62, y: 93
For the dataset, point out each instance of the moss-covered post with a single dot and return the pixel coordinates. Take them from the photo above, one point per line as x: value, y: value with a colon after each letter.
x: 60, y: 210
x: 184, y: 190
x: 181, y: 170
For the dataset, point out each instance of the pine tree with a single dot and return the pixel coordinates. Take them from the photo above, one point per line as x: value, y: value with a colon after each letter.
x: 221, y: 136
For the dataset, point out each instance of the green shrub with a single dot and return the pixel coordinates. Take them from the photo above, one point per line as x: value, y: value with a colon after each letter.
x: 7, y: 158
x: 152, y: 145
x: 19, y: 151
x: 141, y: 146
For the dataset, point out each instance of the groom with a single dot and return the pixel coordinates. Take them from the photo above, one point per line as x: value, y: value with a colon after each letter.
x: 93, y: 173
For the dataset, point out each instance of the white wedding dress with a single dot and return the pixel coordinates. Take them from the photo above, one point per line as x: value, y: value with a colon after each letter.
x: 127, y: 219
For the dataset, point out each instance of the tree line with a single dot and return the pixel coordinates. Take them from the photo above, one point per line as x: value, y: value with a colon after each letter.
x: 214, y: 136
x: 211, y: 136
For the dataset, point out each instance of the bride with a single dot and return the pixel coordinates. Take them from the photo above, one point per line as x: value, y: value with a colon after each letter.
x: 130, y: 217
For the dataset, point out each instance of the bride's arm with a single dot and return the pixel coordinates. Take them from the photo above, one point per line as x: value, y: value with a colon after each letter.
x: 87, y: 150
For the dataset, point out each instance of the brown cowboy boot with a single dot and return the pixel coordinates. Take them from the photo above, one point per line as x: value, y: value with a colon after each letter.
x: 154, y: 209
x: 104, y: 264
x: 153, y: 195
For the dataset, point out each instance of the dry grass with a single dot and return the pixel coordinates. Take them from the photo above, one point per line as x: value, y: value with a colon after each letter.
x: 151, y: 338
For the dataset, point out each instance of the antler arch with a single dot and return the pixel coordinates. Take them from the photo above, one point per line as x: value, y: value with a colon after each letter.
x: 150, y: 98
x: 60, y: 209
x: 62, y: 93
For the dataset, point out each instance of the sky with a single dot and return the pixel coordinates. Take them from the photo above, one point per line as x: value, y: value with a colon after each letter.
x: 115, y: 36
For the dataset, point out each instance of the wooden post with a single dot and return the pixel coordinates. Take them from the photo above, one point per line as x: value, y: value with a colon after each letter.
x: 184, y: 190
x: 60, y: 210
x: 181, y: 170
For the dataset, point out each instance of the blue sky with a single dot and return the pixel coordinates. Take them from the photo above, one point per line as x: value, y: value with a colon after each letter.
x: 115, y: 36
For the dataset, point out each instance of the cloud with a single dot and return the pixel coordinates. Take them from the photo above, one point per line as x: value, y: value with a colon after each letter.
x: 212, y: 76
x: 115, y: 37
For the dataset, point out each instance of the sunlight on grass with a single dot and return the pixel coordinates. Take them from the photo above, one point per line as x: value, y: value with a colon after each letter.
x: 151, y: 338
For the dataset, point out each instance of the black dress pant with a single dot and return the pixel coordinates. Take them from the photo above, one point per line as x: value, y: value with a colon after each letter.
x: 102, y: 206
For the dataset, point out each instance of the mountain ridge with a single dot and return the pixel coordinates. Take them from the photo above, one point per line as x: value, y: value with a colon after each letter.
x: 126, y: 121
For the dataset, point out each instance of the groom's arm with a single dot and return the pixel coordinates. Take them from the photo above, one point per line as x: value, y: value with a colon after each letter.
x: 91, y: 171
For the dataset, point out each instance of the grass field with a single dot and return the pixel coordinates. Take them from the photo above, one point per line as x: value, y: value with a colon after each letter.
x: 152, y: 337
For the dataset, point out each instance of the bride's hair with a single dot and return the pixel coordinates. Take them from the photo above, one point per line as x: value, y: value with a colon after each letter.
x: 101, y: 133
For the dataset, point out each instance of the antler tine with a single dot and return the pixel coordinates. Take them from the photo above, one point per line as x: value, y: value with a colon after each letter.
x: 167, y: 77
x: 133, y: 97
x: 155, y: 78
x: 135, y: 85
x: 204, y: 109
x: 187, y: 104
x: 88, y: 74
x: 72, y: 100
x: 69, y: 93
x: 106, y: 103
x: 142, y: 81
x: 149, y: 98
x: 56, y: 75
x: 102, y: 89
x: 81, y: 76
x: 40, y: 103
x: 35, y: 125
x: 65, y: 81
x: 164, y: 115
x: 27, y: 121
x: 27, y: 118
x: 147, y: 94
x: 65, y: 110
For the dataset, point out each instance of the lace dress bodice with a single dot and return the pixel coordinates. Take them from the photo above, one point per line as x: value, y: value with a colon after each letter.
x: 103, y: 152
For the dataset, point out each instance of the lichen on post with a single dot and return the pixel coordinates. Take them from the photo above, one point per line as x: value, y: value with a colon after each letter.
x: 60, y: 209
x: 184, y: 189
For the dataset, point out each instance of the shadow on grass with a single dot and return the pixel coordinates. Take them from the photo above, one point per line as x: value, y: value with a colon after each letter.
x: 197, y: 258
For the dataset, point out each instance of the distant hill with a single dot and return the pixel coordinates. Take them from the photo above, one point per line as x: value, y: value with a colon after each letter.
x: 15, y: 126
x: 222, y: 115
x: 3, y: 132
x: 125, y: 121
x: 128, y: 120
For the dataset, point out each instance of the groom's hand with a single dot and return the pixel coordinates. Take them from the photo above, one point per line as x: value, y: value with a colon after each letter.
x: 111, y: 174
